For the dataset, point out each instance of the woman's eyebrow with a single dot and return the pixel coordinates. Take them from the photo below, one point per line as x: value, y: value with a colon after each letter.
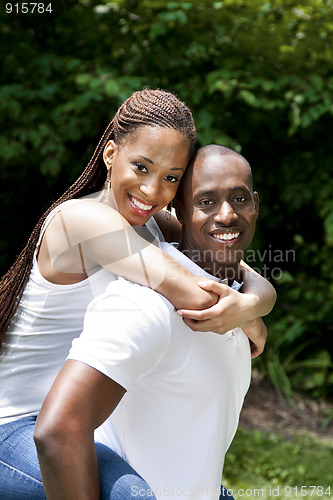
x: 148, y: 160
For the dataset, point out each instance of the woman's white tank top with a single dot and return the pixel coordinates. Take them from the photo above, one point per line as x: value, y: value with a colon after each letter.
x: 37, y: 342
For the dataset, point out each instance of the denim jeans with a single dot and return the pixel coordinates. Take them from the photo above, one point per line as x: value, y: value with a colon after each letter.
x: 20, y: 474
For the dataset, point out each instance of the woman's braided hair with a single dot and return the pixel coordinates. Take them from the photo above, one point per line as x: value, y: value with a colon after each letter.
x: 146, y: 107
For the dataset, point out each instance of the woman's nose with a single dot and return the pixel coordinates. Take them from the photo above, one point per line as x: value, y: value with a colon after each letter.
x: 150, y: 189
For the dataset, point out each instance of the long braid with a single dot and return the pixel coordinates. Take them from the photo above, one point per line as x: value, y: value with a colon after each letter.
x: 146, y: 107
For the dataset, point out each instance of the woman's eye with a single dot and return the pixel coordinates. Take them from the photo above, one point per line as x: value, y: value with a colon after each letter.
x: 171, y: 178
x: 141, y: 167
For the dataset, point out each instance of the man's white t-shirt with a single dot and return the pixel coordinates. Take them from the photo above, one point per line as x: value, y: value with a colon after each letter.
x: 185, y: 389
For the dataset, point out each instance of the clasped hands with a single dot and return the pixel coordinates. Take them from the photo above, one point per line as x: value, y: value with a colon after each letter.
x: 233, y: 309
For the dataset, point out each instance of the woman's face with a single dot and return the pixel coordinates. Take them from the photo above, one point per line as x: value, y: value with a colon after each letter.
x: 146, y: 170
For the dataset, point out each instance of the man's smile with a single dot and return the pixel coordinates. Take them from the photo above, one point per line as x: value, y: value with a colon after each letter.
x: 224, y: 236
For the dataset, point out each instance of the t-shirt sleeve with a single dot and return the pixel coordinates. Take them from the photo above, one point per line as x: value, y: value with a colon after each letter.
x: 126, y: 332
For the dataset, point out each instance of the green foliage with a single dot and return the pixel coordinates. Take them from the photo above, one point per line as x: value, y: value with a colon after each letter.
x: 268, y: 466
x: 258, y: 77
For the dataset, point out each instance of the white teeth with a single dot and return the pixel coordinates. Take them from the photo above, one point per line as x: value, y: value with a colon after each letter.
x: 140, y: 205
x: 226, y: 236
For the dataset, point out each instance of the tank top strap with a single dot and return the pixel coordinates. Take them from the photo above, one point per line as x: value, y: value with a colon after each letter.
x: 152, y: 225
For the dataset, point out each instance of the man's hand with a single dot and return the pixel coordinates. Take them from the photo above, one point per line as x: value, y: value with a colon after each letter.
x: 257, y: 333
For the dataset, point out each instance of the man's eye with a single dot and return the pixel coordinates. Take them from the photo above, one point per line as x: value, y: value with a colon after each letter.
x: 206, y: 202
x: 240, y: 199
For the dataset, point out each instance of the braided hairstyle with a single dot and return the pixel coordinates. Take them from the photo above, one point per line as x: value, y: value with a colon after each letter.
x: 143, y: 108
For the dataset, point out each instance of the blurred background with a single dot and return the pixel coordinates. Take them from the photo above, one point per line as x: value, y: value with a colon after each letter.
x: 258, y: 76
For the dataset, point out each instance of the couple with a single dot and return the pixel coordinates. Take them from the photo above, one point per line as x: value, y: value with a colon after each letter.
x: 76, y: 249
x: 165, y: 398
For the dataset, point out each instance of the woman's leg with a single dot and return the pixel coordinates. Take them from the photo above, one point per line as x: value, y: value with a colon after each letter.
x: 120, y: 482
x: 20, y: 474
x: 19, y: 467
x: 117, y: 478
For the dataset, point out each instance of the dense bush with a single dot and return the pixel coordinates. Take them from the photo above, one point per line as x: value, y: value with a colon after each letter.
x: 258, y: 77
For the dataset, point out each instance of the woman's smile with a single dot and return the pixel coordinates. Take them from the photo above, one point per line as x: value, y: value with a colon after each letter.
x: 139, y: 206
x: 149, y: 164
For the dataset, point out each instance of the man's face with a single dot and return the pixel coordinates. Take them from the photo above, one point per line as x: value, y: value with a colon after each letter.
x: 218, y: 211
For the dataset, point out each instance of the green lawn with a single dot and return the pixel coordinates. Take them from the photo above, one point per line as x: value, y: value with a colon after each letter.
x: 268, y: 466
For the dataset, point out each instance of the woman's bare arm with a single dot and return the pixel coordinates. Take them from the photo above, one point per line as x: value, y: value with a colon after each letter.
x: 236, y: 309
x: 86, y: 235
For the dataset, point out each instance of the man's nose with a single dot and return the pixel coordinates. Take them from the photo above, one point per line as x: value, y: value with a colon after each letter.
x: 225, y: 214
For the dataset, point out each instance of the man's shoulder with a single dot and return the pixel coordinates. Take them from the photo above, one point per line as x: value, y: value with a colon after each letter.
x: 129, y: 313
x: 122, y: 295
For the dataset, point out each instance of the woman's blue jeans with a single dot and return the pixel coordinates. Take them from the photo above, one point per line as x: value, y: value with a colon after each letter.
x: 20, y: 474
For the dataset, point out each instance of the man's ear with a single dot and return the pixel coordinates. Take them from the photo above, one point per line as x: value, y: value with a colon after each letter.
x: 109, y: 151
x: 256, y: 201
x: 179, y: 210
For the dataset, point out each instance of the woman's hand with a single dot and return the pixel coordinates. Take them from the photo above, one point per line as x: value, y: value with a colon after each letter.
x: 233, y: 309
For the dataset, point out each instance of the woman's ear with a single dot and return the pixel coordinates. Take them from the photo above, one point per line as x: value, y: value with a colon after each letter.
x: 109, y: 151
x: 179, y: 210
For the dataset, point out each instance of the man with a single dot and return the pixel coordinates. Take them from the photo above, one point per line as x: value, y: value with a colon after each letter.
x: 163, y: 397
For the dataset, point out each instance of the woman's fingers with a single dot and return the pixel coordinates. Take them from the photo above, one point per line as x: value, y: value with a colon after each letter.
x: 212, y: 312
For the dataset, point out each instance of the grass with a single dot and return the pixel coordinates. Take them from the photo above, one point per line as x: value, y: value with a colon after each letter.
x: 268, y: 466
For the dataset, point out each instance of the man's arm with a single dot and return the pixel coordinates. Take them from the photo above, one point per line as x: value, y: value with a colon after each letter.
x: 80, y: 400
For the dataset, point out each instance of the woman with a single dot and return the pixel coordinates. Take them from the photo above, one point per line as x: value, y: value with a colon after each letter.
x: 81, y: 243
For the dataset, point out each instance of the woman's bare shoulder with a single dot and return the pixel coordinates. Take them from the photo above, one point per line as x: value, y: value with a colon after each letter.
x: 87, y: 218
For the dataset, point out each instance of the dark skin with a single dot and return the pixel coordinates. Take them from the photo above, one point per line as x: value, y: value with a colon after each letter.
x: 91, y: 234
x: 217, y: 202
x: 218, y: 212
x: 81, y: 398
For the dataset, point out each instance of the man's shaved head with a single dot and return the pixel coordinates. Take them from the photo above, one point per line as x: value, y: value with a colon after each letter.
x: 206, y: 152
x: 218, y: 209
x: 216, y: 149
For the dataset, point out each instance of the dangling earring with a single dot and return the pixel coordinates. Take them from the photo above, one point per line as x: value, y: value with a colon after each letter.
x: 107, y: 185
x: 167, y: 213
